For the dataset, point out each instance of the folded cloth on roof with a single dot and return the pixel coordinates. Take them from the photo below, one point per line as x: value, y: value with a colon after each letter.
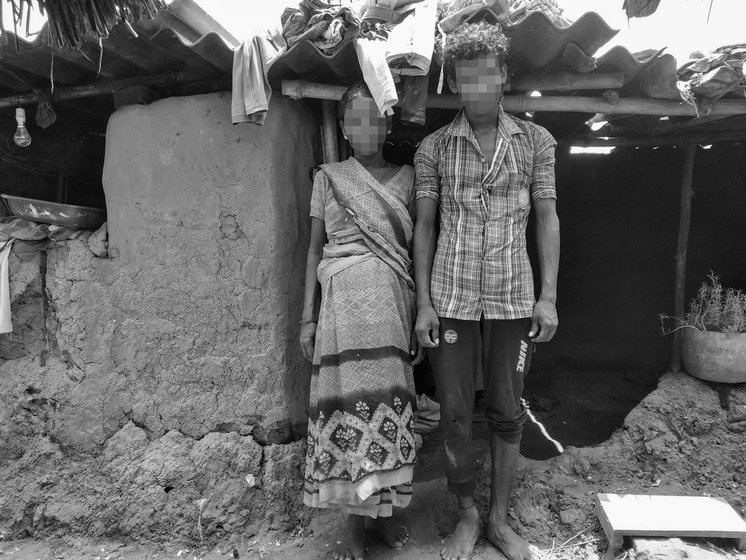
x: 251, y: 91
x: 6, y: 325
x: 327, y: 25
x: 390, y: 11
x: 371, y: 56
x: 410, y: 44
x: 454, y: 12
x: 520, y: 9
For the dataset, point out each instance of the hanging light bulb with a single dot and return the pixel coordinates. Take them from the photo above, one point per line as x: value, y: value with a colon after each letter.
x: 22, y: 138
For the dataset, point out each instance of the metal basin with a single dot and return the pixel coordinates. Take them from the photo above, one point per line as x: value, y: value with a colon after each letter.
x: 67, y: 215
x: 714, y: 356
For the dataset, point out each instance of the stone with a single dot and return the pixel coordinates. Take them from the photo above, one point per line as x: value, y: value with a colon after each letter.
x: 98, y: 242
x: 572, y: 517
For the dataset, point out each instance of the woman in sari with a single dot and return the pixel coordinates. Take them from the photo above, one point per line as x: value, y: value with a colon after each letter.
x: 358, y: 335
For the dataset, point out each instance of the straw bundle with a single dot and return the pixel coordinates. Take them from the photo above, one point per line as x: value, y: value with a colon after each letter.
x: 72, y: 22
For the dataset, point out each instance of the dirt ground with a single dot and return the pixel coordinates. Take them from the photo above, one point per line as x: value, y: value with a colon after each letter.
x: 686, y: 437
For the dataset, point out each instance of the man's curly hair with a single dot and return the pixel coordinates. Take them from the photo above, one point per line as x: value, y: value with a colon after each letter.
x: 471, y: 40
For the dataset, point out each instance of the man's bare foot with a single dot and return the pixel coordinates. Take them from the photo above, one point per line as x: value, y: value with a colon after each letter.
x: 353, y: 543
x: 391, y: 531
x: 509, y: 543
x: 460, y: 545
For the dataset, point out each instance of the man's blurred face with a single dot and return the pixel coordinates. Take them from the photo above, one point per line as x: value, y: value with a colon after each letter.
x: 480, y: 82
x: 364, y: 126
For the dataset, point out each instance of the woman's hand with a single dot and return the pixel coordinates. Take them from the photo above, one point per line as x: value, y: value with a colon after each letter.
x: 308, y: 339
x: 415, y: 349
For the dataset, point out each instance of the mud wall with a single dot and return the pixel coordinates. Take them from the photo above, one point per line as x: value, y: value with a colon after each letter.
x: 619, y: 220
x: 140, y: 390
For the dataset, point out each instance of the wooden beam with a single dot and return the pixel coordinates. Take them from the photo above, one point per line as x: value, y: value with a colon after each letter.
x: 685, y: 216
x: 105, y: 88
x: 329, y: 132
x: 567, y: 81
x: 524, y: 103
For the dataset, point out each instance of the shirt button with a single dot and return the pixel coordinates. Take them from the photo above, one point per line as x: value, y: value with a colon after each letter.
x: 483, y: 160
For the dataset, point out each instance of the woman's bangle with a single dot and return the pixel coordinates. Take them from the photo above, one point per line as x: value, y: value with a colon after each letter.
x: 307, y: 321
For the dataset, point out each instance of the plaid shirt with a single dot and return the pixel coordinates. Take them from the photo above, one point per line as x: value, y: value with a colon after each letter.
x: 481, y: 265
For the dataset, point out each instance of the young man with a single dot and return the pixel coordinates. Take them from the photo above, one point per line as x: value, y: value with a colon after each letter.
x: 476, y: 309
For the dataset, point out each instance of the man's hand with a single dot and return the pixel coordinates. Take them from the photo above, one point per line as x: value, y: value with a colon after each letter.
x: 308, y: 340
x: 427, y: 328
x: 544, y: 321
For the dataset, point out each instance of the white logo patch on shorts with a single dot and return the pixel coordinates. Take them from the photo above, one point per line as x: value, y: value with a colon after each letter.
x: 450, y: 336
x: 523, y: 199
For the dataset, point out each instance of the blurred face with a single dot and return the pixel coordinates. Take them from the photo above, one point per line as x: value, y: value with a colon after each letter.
x: 480, y: 82
x: 364, y: 126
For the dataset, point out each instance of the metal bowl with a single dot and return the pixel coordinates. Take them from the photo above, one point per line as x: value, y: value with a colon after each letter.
x: 67, y: 215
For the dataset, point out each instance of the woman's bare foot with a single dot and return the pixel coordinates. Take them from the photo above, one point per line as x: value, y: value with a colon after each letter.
x: 460, y: 545
x: 391, y: 531
x: 353, y: 542
x: 509, y: 543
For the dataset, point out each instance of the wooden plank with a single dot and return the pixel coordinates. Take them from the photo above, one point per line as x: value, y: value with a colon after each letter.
x: 667, y: 516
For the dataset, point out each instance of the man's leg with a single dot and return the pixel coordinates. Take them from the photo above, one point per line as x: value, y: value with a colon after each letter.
x: 454, y: 363
x: 507, y: 358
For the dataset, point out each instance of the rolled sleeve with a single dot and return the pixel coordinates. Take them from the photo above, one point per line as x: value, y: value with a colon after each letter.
x: 543, y: 185
x: 427, y: 180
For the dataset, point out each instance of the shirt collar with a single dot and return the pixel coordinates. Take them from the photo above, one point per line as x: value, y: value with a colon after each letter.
x: 460, y: 125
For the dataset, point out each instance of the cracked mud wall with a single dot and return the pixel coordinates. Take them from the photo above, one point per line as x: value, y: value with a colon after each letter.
x: 140, y: 390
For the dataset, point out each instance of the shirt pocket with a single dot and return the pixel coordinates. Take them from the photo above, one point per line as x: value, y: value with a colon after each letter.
x: 519, y: 194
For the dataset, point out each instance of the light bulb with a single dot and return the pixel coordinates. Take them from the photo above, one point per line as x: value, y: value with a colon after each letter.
x: 22, y: 138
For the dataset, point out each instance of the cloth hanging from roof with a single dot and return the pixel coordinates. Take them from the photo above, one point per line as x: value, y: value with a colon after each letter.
x: 6, y: 324
x: 410, y: 43
x: 371, y: 56
x: 251, y: 91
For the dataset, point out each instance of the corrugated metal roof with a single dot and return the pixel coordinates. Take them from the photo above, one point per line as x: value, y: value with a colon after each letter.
x: 185, y: 39
x: 167, y: 44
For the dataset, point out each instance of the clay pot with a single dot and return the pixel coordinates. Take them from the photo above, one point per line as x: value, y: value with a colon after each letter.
x: 714, y: 356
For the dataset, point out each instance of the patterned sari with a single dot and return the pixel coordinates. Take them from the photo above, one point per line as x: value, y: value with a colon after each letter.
x: 361, y: 448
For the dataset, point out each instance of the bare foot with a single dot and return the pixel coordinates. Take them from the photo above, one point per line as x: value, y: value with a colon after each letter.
x: 460, y: 545
x: 391, y: 531
x: 353, y: 543
x: 509, y: 543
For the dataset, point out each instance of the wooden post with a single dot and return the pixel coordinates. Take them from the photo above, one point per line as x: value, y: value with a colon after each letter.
x: 329, y: 126
x: 685, y: 215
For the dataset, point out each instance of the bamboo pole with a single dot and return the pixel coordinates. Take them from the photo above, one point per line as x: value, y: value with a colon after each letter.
x: 104, y: 88
x: 329, y: 129
x: 685, y: 215
x: 524, y: 103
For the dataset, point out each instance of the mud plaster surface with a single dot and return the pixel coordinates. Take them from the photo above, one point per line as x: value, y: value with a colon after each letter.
x: 686, y: 437
x: 139, y: 390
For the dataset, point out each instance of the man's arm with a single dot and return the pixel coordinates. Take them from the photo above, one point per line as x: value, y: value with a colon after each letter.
x: 548, y: 248
x: 427, y: 186
x: 427, y: 326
